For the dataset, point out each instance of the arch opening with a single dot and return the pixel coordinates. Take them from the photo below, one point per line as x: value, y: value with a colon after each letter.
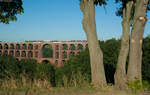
x: 12, y: 46
x: 57, y: 55
x: 1, y: 47
x: 23, y: 54
x: 65, y: 47
x: 6, y: 46
x: 47, y: 51
x: 24, y: 46
x: 11, y: 53
x: 72, y: 47
x: 6, y: 52
x: 72, y: 54
x: 80, y: 47
x: 30, y: 54
x: 57, y: 47
x: 17, y: 46
x: 17, y: 53
x: 45, y: 61
x: 30, y: 47
x: 86, y: 46
x: 64, y: 55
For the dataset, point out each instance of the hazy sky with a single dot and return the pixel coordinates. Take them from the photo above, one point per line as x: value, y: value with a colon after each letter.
x: 61, y: 20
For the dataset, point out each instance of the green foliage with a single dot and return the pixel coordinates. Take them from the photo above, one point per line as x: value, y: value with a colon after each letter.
x: 72, y: 47
x: 65, y: 54
x: 136, y: 86
x: 28, y: 67
x: 110, y: 50
x: 99, y: 2
x: 8, y: 67
x: 123, y: 5
x: 146, y: 59
x: 45, y: 71
x: 146, y: 85
x: 74, y: 71
x: 65, y: 47
x: 9, y: 10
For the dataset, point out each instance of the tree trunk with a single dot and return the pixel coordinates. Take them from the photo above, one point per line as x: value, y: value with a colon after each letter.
x: 135, y: 55
x: 120, y: 74
x: 96, y: 55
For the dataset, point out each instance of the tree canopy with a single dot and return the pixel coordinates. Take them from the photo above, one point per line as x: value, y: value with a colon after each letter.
x: 123, y: 5
x: 9, y: 9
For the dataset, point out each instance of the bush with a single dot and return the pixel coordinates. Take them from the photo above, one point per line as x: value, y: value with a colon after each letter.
x: 8, y: 67
x: 74, y: 72
x: 46, y: 71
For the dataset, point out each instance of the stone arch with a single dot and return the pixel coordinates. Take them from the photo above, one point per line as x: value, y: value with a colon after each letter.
x: 57, y: 47
x: 11, y: 53
x: 30, y: 46
x: 1, y: 47
x: 30, y: 54
x: 23, y: 54
x: 80, y: 47
x: 45, y: 61
x: 57, y: 55
x: 6, y: 46
x: 64, y: 54
x: 64, y: 46
x: 5, y: 52
x: 72, y: 54
x: 47, y: 51
x: 17, y: 46
x: 17, y: 53
x: 72, y: 47
x: 24, y: 46
x: 12, y: 46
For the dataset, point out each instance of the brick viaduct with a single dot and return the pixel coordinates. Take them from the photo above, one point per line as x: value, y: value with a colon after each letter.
x: 62, y: 50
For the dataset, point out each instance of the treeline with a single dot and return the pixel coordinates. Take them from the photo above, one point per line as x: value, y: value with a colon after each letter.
x: 74, y: 72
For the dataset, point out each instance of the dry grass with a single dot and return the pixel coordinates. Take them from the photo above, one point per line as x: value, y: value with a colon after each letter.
x: 26, y: 86
x: 67, y: 91
x: 24, y: 82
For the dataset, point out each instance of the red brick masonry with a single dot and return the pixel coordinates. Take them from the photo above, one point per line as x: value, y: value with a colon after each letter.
x: 33, y: 50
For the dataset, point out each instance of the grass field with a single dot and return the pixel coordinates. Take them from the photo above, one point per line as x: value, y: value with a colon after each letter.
x: 66, y: 91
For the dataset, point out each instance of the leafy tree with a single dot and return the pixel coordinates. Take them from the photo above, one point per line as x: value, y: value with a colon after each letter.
x: 74, y: 66
x: 28, y: 68
x: 96, y: 55
x: 110, y: 57
x: 146, y: 60
x: 9, y: 9
x: 45, y: 71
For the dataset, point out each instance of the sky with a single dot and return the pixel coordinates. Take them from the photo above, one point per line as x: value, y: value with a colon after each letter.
x: 61, y: 20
